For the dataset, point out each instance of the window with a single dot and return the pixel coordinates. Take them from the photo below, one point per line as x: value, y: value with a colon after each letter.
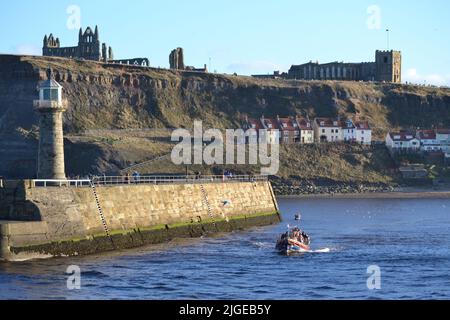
x: 51, y: 94
x: 323, y: 130
x: 385, y: 59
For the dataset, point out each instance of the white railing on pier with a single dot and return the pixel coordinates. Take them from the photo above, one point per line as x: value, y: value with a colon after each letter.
x: 194, y: 179
x: 61, y: 183
x: 130, y: 179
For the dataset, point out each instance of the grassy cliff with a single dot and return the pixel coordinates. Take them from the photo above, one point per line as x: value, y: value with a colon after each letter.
x: 115, y: 97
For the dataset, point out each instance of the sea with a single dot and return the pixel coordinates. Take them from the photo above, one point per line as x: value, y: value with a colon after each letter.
x: 361, y: 249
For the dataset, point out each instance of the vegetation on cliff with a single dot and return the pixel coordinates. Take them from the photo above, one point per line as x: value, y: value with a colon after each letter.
x: 105, y: 96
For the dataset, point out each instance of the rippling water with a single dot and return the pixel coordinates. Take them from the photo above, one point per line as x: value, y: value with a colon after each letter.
x: 408, y: 239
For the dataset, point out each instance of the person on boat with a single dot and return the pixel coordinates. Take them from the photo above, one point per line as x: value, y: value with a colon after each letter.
x: 297, y: 234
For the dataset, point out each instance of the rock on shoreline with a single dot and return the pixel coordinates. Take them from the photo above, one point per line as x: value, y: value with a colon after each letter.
x: 307, y: 187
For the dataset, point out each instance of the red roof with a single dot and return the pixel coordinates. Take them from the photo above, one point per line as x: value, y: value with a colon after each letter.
x: 402, y: 136
x: 287, y: 124
x: 303, y: 124
x: 426, y: 134
x: 327, y: 122
x: 255, y: 124
x: 443, y: 131
x: 362, y: 125
x: 272, y: 122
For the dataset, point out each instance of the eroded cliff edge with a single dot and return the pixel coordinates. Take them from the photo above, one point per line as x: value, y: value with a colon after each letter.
x: 103, y: 96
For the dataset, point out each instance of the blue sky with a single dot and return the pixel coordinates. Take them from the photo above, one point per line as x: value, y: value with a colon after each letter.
x: 245, y: 36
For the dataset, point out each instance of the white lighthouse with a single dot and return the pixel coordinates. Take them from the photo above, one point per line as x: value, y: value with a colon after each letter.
x: 51, y: 140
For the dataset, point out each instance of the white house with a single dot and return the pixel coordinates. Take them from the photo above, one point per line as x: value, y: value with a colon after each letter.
x: 428, y: 141
x: 306, y: 131
x: 443, y: 136
x: 348, y: 131
x: 363, y: 133
x: 327, y: 130
x: 402, y: 142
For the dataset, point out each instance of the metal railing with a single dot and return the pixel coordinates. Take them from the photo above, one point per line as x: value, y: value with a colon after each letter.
x: 193, y: 179
x: 155, y: 180
x: 61, y: 183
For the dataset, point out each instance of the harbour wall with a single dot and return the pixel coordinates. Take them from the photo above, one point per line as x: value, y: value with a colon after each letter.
x: 51, y: 221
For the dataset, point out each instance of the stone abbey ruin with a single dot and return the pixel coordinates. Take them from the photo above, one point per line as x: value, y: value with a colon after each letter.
x: 90, y: 48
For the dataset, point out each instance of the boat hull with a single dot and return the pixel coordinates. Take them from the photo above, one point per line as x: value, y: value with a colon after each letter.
x: 292, y: 247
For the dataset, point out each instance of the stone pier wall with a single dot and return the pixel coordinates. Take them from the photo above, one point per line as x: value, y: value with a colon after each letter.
x: 64, y: 216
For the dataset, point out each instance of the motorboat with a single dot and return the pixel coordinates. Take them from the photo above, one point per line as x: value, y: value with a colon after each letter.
x: 294, y: 241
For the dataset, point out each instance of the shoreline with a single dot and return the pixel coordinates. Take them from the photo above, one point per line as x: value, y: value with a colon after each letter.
x: 417, y: 194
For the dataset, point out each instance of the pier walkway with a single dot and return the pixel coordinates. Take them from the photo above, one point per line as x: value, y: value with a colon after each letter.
x: 156, y: 180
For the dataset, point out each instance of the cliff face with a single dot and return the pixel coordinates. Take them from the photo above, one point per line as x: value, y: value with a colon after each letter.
x: 106, y: 96
x: 115, y: 97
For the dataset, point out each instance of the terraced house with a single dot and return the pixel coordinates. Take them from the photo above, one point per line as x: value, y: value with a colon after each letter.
x: 426, y: 141
x: 327, y: 130
x: 290, y: 130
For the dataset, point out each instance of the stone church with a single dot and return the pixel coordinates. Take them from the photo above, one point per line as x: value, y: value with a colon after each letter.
x: 386, y: 68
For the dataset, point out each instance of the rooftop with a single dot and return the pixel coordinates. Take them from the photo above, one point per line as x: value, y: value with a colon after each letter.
x: 304, y: 124
x: 287, y: 124
x: 49, y: 84
x: 327, y: 123
x: 362, y: 125
x: 402, y: 136
x: 271, y: 124
x: 255, y: 124
x: 426, y: 134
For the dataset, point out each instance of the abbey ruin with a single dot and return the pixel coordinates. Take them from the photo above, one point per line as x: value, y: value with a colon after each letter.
x: 88, y: 48
x: 176, y: 61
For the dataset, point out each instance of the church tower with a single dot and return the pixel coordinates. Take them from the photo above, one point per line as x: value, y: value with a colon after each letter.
x: 388, y: 66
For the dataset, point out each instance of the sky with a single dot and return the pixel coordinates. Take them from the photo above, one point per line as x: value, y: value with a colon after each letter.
x: 244, y: 36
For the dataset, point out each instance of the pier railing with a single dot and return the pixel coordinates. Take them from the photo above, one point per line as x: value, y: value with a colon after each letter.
x: 114, y: 180
x: 61, y: 183
x: 130, y: 179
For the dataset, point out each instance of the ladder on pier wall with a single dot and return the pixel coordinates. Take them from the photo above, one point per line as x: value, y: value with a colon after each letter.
x: 100, y: 212
x: 205, y: 201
